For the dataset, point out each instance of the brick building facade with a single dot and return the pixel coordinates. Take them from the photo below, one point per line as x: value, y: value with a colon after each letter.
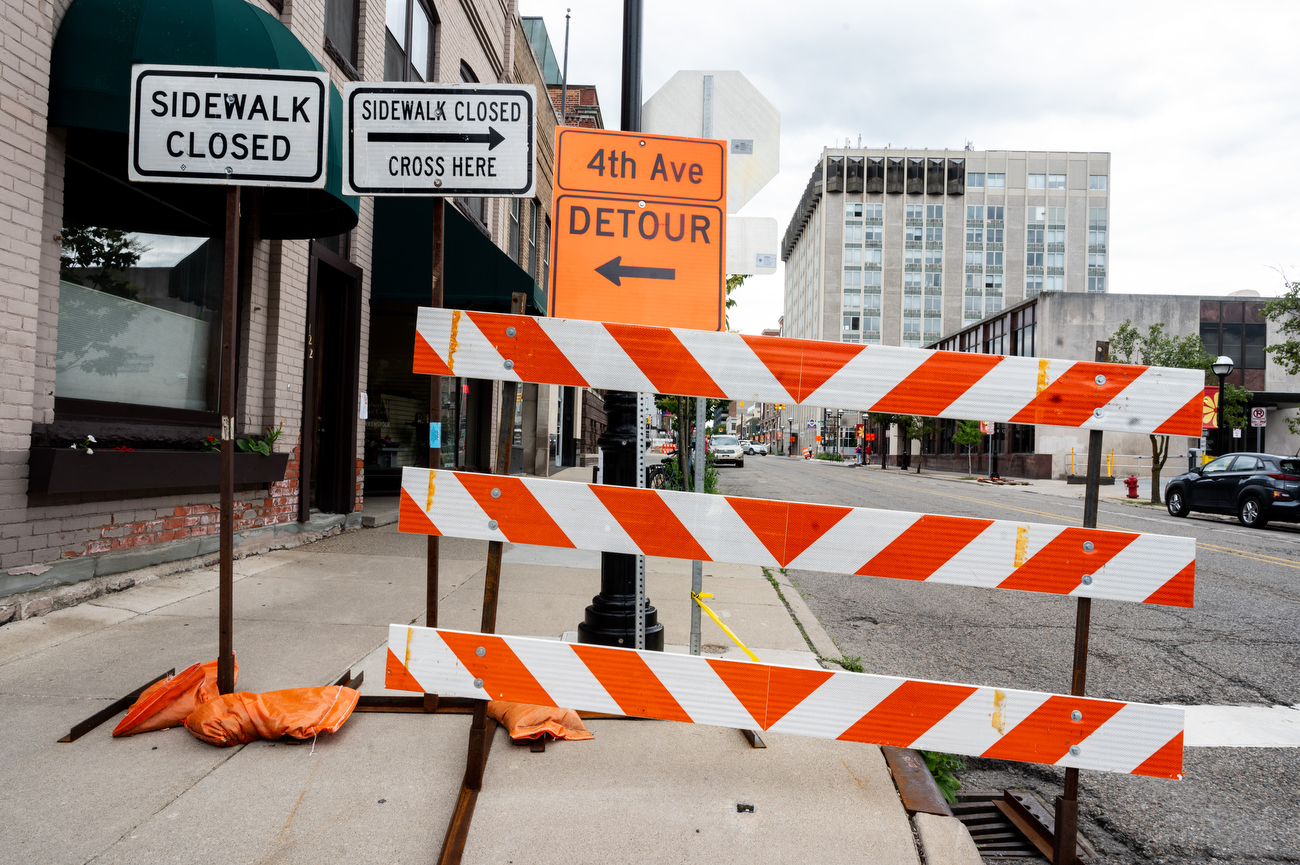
x: 66, y: 374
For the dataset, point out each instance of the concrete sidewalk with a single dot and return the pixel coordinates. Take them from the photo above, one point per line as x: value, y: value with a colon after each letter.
x: 382, y: 789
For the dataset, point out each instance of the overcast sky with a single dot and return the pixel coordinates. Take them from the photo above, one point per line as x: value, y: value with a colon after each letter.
x: 1198, y: 103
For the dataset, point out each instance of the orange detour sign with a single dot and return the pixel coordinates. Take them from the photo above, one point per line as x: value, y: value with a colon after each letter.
x: 640, y: 229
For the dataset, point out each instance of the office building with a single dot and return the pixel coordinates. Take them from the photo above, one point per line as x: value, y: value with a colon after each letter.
x: 899, y: 247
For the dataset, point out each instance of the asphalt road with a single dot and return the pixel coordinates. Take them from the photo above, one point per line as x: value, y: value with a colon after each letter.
x: 1240, y: 645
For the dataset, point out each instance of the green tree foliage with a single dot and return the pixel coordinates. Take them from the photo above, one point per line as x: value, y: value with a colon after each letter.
x: 99, y: 258
x: 1284, y: 311
x: 1157, y: 348
x: 968, y: 435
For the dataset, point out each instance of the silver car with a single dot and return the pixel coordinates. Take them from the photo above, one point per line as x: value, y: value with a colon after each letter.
x: 727, y: 449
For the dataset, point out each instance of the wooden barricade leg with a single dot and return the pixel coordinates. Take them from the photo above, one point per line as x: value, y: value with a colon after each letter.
x: 483, y: 728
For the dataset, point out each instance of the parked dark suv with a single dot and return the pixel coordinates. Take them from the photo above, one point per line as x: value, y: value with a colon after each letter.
x: 1255, y: 487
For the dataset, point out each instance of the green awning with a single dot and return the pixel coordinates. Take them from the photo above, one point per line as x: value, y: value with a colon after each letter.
x: 479, y: 275
x: 90, y: 82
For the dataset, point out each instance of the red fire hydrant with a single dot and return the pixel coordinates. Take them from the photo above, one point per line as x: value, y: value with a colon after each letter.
x: 1132, y: 483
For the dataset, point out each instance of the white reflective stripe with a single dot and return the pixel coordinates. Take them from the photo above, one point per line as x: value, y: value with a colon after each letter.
x: 854, y: 540
x: 581, y: 516
x: 698, y: 690
x: 435, y: 326
x: 980, y: 721
x: 563, y: 675
x: 1153, y: 397
x: 432, y: 662
x: 1013, y: 382
x: 454, y: 511
x: 596, y: 355
x: 1141, y: 568
x: 839, y: 703
x: 474, y: 351
x: 991, y: 557
x: 730, y: 362
x: 1128, y: 738
x: 864, y: 380
x: 718, y: 529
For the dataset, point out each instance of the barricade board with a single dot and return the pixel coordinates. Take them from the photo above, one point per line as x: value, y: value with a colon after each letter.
x: 1003, y: 724
x: 1034, y: 557
x: 1022, y: 390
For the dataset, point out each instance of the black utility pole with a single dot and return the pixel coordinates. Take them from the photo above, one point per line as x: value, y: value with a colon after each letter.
x: 611, y: 618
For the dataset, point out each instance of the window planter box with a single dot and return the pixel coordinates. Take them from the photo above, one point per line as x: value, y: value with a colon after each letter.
x: 64, y: 470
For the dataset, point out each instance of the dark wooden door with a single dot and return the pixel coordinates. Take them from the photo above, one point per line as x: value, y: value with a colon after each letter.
x: 330, y: 385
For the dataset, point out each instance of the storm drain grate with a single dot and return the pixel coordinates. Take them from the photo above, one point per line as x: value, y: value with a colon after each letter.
x: 994, y: 835
x: 1012, y: 824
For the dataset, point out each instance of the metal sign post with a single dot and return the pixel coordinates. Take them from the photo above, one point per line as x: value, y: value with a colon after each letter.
x: 1067, y: 804
x: 423, y: 139
x: 641, y: 411
x: 697, y: 567
x: 230, y: 127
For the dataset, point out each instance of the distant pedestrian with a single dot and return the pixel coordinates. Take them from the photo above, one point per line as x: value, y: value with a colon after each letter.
x: 868, y: 452
x: 859, y: 453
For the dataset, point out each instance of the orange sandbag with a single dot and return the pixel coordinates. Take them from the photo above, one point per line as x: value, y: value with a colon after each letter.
x: 233, y: 719
x: 169, y: 702
x: 525, y: 721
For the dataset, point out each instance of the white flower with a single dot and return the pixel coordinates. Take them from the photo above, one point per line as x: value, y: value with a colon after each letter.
x: 89, y: 451
x: 73, y: 446
x: 91, y: 439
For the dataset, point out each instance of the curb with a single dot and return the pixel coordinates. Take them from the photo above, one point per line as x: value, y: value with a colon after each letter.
x: 821, y: 641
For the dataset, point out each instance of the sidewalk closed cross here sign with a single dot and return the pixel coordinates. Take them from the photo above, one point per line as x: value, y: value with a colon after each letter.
x: 640, y: 229
x: 439, y: 139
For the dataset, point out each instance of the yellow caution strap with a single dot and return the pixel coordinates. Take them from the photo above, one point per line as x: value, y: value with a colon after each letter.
x: 699, y: 599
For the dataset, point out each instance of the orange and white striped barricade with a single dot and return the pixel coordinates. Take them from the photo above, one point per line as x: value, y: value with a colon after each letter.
x: 1021, y: 390
x: 1004, y: 724
x: 1034, y: 557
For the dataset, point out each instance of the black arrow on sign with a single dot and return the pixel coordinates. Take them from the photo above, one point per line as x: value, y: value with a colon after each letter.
x: 491, y: 138
x: 614, y: 268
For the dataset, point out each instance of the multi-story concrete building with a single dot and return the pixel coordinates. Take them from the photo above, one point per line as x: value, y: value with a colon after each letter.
x: 900, y: 247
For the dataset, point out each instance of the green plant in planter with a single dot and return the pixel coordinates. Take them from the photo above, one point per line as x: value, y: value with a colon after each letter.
x: 262, y: 445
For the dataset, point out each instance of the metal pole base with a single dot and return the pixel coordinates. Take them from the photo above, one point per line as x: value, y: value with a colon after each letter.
x: 610, y: 620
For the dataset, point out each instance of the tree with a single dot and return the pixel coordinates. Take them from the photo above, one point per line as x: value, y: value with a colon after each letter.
x: 1284, y: 311
x: 1157, y: 348
x: 968, y: 435
x: 919, y: 428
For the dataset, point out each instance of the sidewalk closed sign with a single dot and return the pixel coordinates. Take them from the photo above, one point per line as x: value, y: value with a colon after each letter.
x: 214, y: 124
x: 640, y: 229
x: 425, y: 139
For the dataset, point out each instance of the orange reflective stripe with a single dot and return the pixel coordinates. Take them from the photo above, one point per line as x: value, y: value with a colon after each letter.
x: 664, y: 360
x: 412, y: 518
x: 787, y: 687
x: 1165, y: 763
x: 427, y: 360
x: 500, y: 669
x: 1187, y: 420
x: 805, y: 524
x: 649, y: 522
x: 1070, y: 400
x: 1178, y: 591
x: 821, y: 360
x: 631, y: 683
x: 937, y: 383
x: 520, y: 517
x: 535, y: 356
x: 782, y: 357
x: 924, y: 547
x: 397, y: 677
x: 911, y: 709
x: 1049, y: 731
x: 748, y: 682
x: 766, y: 519
x: 1059, y: 567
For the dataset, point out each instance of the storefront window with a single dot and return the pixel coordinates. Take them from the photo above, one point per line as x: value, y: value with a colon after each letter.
x: 139, y: 318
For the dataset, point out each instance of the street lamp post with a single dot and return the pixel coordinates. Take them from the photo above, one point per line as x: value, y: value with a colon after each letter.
x: 1222, y: 367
